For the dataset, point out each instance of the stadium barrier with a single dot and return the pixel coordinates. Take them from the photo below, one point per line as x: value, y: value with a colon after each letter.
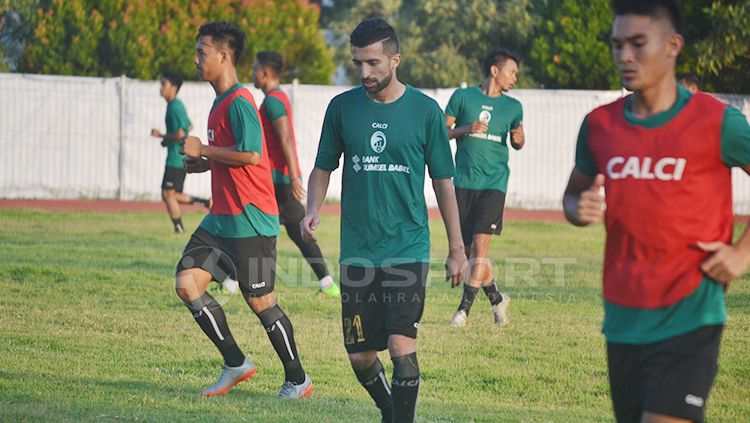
x: 81, y: 137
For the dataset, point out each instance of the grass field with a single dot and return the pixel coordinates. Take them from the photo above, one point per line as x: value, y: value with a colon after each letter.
x: 92, y: 330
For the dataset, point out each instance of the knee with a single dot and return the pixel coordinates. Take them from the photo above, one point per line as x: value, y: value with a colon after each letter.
x: 167, y: 194
x: 362, y: 360
x: 260, y: 304
x: 182, y: 293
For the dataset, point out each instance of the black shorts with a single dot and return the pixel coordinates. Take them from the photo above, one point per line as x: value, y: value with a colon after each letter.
x: 379, y: 302
x: 250, y: 261
x: 174, y: 178
x: 480, y: 212
x: 291, y: 211
x: 671, y: 377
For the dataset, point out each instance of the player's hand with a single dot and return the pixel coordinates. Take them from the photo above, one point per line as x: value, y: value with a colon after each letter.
x: 456, y: 266
x: 517, y: 138
x: 196, y: 165
x: 192, y: 147
x: 298, y: 190
x: 726, y: 263
x: 478, y: 127
x: 156, y: 133
x: 591, y: 204
x: 308, y: 226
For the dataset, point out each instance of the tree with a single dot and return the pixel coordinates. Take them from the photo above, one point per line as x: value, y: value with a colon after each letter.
x: 571, y: 45
x: 140, y: 38
x: 723, y: 57
x: 442, y: 43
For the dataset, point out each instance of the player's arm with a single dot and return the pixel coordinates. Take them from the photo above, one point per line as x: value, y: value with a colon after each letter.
x: 282, y: 127
x: 229, y: 156
x: 583, y: 202
x: 730, y: 261
x: 517, y: 137
x: 476, y: 127
x: 456, y: 264
x: 317, y: 188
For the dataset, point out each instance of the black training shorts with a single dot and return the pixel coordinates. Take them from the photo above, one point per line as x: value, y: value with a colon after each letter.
x: 480, y: 212
x: 671, y: 377
x: 174, y: 178
x: 250, y: 261
x: 379, y: 302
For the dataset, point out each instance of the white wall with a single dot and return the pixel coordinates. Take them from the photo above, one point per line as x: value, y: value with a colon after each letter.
x: 72, y: 137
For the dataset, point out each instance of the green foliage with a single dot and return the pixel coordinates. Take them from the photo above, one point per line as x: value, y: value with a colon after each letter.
x: 443, y: 43
x: 140, y: 38
x: 724, y: 56
x: 571, y: 48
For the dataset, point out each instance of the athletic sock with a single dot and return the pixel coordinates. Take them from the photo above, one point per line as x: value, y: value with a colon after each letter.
x: 210, y: 317
x: 201, y: 201
x: 310, y: 250
x: 326, y: 282
x: 178, y: 225
x: 405, y: 387
x: 468, y: 298
x: 493, y: 294
x: 280, y: 332
x: 374, y: 381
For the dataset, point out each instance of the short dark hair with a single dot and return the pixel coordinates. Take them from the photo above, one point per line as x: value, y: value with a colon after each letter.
x: 271, y: 60
x: 668, y: 9
x: 372, y: 30
x: 497, y: 58
x: 173, y: 77
x: 226, y: 33
x: 691, y: 78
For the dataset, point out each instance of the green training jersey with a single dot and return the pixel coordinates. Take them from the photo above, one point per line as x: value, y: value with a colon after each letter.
x: 176, y: 119
x: 706, y: 305
x: 385, y: 148
x: 482, y: 159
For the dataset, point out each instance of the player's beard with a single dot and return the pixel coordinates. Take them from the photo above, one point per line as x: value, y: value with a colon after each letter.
x: 379, y: 85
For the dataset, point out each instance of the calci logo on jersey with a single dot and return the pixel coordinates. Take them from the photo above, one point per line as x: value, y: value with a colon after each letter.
x: 210, y: 135
x: 662, y: 168
x: 485, y: 116
x: 378, y: 140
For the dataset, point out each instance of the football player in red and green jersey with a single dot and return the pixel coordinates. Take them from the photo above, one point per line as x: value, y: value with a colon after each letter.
x: 663, y: 156
x: 236, y: 243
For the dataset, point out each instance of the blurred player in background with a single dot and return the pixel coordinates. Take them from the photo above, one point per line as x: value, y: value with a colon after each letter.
x: 278, y: 129
x: 481, y: 118
x: 178, y: 126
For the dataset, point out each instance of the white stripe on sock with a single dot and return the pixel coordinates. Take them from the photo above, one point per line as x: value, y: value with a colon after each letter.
x: 286, y: 339
x: 385, y: 383
x: 213, y: 323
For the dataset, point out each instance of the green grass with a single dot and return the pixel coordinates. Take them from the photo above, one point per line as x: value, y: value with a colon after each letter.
x: 92, y: 330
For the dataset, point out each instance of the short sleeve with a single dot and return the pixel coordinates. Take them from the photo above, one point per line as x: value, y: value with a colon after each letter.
x: 438, y: 155
x: 274, y: 108
x: 248, y: 134
x: 331, y: 144
x: 584, y: 160
x: 518, y: 117
x: 455, y: 104
x: 735, y: 138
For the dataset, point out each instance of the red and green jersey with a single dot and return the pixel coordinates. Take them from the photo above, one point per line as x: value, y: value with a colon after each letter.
x: 175, y: 119
x: 244, y: 203
x: 276, y: 105
x: 668, y: 186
